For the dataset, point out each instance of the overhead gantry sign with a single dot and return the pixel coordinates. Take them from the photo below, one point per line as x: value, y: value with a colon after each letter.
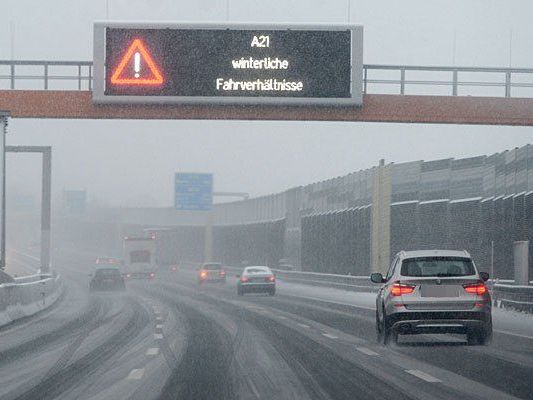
x: 221, y: 64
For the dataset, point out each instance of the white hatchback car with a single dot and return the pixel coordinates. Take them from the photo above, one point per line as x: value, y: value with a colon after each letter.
x: 257, y: 279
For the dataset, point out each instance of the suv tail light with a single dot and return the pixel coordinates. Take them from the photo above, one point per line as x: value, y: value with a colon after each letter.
x: 203, y: 274
x: 244, y: 279
x: 476, y: 288
x: 222, y: 273
x: 399, y: 289
x: 270, y: 278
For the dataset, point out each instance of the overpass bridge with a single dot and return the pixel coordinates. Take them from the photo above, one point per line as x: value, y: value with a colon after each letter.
x: 392, y: 93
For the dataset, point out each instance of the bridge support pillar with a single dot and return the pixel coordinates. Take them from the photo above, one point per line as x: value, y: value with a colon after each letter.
x: 521, y: 262
x: 380, y: 233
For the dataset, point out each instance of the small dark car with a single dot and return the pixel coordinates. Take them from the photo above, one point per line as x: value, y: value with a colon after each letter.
x: 107, y: 278
x: 211, y: 272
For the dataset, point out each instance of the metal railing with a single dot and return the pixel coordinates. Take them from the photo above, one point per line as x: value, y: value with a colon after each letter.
x: 486, y: 77
x: 28, y: 296
x: 390, y: 79
x: 79, y: 74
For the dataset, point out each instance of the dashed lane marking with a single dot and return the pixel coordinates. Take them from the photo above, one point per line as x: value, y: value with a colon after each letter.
x: 366, y: 351
x: 422, y: 375
x: 159, y: 326
x: 329, y: 335
x: 158, y: 336
x: 136, y: 374
x: 153, y: 351
x: 303, y: 325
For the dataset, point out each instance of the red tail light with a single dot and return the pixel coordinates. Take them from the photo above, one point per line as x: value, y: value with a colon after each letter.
x: 244, y: 279
x: 152, y: 274
x: 222, y: 273
x: 128, y: 275
x: 476, y: 288
x: 271, y: 278
x: 203, y: 274
x: 174, y: 268
x: 399, y: 289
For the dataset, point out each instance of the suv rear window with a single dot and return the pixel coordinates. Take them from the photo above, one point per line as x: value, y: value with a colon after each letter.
x: 256, y: 270
x: 437, y: 266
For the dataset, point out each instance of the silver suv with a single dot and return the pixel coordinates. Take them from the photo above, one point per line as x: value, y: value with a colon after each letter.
x: 433, y: 291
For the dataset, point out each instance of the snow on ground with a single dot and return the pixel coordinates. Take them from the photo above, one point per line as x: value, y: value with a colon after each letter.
x: 505, y: 321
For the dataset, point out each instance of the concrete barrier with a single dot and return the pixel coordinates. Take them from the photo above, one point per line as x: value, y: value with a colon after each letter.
x: 28, y: 296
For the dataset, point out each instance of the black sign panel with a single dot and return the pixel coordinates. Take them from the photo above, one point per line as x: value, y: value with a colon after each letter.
x: 228, y: 62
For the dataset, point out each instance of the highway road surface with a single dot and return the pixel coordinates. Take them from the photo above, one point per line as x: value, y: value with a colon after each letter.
x: 170, y: 339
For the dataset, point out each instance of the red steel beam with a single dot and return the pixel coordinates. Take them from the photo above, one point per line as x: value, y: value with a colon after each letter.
x: 376, y: 108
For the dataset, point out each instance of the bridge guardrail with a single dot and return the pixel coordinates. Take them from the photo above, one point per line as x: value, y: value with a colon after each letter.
x: 377, y: 78
x: 513, y: 296
x: 27, y: 296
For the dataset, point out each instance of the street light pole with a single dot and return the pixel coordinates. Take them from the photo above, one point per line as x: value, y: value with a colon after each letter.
x: 4, y: 115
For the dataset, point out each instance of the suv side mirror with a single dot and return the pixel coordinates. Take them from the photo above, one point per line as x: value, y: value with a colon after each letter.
x: 376, y: 277
x: 484, y: 276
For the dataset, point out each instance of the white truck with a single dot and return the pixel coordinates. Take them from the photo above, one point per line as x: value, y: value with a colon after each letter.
x: 139, y: 261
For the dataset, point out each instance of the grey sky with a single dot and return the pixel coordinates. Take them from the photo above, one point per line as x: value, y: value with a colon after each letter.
x: 132, y: 162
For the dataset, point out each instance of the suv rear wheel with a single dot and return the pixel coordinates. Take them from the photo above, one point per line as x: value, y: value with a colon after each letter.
x: 384, y: 332
x: 480, y: 337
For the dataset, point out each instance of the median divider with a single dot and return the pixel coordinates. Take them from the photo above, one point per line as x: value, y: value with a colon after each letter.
x: 28, y: 295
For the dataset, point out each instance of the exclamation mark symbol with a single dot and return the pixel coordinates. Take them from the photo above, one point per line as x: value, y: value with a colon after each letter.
x: 137, y: 64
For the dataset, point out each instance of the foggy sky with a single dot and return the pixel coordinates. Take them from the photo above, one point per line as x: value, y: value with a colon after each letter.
x: 132, y: 162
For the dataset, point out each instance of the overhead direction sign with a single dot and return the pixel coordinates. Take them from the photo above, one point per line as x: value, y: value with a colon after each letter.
x: 193, y: 191
x: 137, y: 67
x: 237, y: 63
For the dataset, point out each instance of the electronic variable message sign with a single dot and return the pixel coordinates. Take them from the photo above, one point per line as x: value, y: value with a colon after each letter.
x: 211, y: 63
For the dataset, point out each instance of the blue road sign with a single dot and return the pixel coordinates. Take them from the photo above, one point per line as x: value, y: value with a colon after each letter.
x: 193, y: 192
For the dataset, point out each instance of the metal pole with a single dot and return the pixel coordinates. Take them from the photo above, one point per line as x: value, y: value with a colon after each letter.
x: 492, y: 259
x: 3, y: 132
x: 46, y: 211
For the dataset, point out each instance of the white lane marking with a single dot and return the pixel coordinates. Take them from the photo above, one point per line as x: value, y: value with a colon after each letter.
x: 282, y: 317
x: 136, y: 374
x: 303, y: 325
x: 329, y: 335
x: 333, y: 302
x: 153, y: 351
x: 254, y: 389
x: 159, y: 319
x: 366, y: 351
x: 158, y: 336
x: 422, y: 375
x: 159, y: 326
x: 514, y: 334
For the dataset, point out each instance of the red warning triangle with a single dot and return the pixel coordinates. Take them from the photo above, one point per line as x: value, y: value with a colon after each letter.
x: 143, y: 71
